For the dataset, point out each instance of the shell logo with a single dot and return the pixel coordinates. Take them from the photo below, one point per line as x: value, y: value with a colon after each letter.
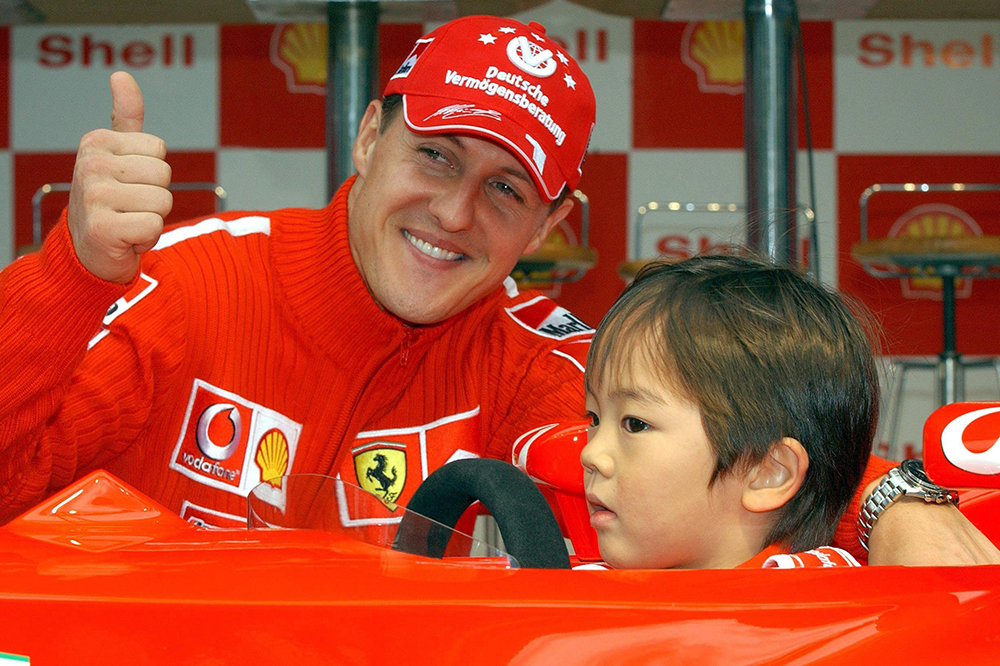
x: 715, y: 51
x: 934, y: 221
x: 272, y: 457
x: 299, y: 50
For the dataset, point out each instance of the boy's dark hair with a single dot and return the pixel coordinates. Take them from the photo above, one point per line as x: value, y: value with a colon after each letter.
x: 390, y: 109
x: 765, y: 353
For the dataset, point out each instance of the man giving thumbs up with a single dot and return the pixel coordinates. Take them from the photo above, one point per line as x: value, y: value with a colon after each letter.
x: 199, y: 361
x: 119, y: 195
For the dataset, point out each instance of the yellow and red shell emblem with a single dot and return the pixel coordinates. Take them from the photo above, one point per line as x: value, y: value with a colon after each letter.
x: 299, y: 50
x: 934, y: 221
x: 715, y: 51
x: 272, y: 457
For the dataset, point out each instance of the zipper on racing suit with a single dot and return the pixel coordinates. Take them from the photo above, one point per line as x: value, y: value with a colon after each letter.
x: 404, y: 354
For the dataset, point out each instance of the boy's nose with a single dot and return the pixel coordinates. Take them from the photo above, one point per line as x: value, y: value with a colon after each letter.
x: 454, y: 206
x: 595, y: 458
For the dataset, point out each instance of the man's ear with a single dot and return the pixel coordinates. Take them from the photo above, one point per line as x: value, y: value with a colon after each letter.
x: 772, y: 482
x: 551, y: 220
x: 364, y: 144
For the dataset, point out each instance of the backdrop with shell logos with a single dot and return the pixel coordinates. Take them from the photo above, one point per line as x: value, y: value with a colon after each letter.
x: 890, y: 102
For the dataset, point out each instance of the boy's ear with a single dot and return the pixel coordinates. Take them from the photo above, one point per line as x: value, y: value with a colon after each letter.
x: 773, y: 481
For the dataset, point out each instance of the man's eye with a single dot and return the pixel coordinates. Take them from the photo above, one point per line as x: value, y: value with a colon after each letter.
x: 592, y: 417
x: 507, y: 190
x: 433, y: 155
x: 634, y: 425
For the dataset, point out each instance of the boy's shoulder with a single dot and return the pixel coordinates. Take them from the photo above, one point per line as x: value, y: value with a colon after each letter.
x: 772, y: 557
x: 823, y: 557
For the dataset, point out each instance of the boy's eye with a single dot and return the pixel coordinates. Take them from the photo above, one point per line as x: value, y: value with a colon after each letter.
x: 592, y: 417
x: 634, y: 425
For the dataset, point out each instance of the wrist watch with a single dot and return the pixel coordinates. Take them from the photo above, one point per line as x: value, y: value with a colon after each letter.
x: 907, y: 479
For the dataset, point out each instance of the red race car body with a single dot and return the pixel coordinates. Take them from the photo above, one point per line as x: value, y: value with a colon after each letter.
x: 100, y: 573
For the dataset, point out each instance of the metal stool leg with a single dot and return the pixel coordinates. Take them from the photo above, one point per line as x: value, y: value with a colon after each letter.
x: 898, y: 369
x: 951, y: 383
x: 950, y: 379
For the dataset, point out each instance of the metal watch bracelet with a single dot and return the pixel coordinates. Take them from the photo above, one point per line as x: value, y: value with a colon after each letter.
x: 908, y: 478
x: 884, y: 494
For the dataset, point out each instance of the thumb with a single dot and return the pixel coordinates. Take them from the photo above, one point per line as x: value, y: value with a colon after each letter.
x: 127, y: 108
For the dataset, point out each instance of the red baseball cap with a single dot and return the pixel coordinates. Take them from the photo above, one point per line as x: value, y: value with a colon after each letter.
x: 507, y: 82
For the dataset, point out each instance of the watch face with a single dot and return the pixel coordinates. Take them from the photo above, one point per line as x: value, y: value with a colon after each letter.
x: 913, y: 472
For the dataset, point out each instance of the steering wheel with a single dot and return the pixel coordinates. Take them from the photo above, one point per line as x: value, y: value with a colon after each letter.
x: 530, y: 531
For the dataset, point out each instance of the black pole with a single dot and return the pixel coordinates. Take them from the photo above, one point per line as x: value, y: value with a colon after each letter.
x: 351, y: 82
x: 948, y: 296
x: 770, y: 107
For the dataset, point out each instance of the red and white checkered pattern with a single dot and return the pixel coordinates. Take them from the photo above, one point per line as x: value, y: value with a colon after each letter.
x: 899, y: 101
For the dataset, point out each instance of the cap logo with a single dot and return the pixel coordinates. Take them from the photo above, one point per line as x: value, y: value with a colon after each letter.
x: 462, y: 111
x: 530, y: 57
x: 411, y: 60
x: 204, y: 440
x: 538, y: 156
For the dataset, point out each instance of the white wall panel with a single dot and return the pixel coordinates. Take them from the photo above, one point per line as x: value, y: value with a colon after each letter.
x: 59, y: 86
x: 917, y: 86
x: 704, y: 176
x: 270, y: 179
x: 684, y: 175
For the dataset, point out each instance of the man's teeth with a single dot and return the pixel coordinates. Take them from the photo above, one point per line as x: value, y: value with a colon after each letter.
x: 431, y: 250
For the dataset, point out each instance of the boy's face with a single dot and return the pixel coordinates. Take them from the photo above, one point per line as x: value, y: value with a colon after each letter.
x: 647, y: 466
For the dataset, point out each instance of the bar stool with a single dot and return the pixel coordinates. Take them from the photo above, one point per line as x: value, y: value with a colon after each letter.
x: 947, y: 258
x: 558, y: 262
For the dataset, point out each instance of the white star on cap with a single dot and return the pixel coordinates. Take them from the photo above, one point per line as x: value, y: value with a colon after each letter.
x: 563, y: 59
x: 507, y: 30
x: 570, y: 83
x: 487, y: 39
x: 541, y: 39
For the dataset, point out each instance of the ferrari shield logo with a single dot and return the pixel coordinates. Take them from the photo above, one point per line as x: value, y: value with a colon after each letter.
x: 381, y: 470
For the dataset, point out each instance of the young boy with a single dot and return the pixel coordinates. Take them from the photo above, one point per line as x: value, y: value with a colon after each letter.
x: 733, y: 405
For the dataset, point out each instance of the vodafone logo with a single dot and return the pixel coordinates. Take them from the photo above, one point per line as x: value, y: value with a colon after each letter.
x: 531, y: 58
x: 204, y: 431
x: 230, y: 443
x: 985, y: 462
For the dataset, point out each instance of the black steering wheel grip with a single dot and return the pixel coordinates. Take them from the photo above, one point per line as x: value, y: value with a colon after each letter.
x: 530, y: 532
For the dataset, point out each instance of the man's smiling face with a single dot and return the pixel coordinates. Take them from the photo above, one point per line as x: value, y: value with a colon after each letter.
x: 437, y: 221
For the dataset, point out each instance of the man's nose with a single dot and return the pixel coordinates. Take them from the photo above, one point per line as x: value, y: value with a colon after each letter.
x: 454, y: 205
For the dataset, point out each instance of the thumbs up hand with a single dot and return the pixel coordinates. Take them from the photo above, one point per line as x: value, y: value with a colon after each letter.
x: 119, y: 195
